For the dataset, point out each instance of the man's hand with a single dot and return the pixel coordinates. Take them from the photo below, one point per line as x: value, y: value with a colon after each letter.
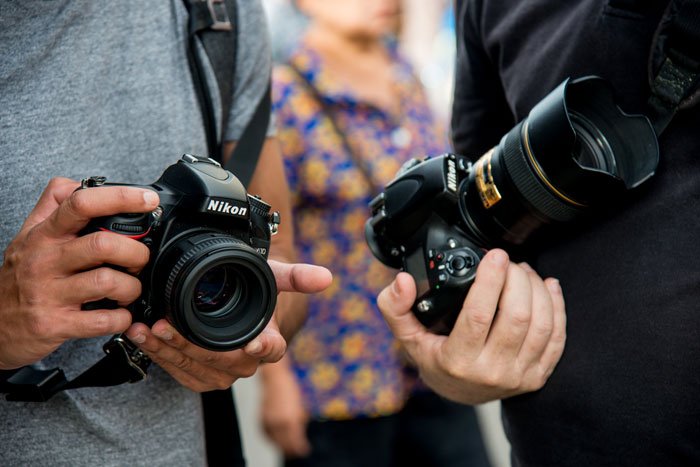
x: 488, y: 355
x: 49, y: 272
x: 284, y: 417
x: 203, y: 370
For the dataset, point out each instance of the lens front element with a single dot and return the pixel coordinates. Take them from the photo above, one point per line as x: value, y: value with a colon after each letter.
x: 218, y: 289
x: 219, y: 293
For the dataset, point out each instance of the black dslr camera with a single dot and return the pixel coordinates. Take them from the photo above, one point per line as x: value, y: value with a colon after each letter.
x: 575, y: 150
x: 209, y: 241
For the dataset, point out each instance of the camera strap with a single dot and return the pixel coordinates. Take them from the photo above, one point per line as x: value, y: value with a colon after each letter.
x: 123, y: 363
x: 674, y: 63
x: 210, y: 23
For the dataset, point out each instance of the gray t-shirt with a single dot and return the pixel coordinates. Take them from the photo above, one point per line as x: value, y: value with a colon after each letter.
x: 103, y: 88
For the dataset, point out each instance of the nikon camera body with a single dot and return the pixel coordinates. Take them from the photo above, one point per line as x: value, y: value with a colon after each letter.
x: 209, y: 241
x: 576, y: 150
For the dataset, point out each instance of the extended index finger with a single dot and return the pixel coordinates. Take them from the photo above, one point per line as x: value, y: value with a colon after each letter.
x: 75, y: 212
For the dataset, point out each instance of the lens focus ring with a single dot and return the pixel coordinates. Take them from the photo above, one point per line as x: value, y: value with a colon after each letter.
x: 526, y: 181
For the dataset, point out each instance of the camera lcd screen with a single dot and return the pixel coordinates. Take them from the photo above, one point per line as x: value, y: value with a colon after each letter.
x: 415, y: 262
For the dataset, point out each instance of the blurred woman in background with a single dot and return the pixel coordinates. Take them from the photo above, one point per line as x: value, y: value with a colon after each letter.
x: 349, y: 112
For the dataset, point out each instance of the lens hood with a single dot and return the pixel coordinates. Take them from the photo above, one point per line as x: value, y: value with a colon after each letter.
x: 581, y: 116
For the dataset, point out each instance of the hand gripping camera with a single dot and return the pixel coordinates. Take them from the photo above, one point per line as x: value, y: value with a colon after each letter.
x: 575, y: 150
x: 209, y: 241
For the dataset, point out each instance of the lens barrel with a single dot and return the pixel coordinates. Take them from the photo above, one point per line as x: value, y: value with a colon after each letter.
x: 218, y: 292
x: 576, y: 149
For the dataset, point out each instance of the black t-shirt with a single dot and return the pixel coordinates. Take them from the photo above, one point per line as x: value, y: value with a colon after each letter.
x: 627, y: 389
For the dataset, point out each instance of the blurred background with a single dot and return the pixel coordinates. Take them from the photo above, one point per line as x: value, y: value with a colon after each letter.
x: 426, y: 40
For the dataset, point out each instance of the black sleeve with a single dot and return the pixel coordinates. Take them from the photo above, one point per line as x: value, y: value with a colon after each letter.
x: 480, y: 112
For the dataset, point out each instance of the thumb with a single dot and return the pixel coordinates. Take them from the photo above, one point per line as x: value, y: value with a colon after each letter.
x: 395, y: 303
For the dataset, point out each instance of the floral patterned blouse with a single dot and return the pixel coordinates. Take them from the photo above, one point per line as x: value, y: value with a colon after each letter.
x: 345, y: 358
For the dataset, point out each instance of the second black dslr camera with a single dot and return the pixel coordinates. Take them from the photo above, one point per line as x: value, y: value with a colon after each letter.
x: 209, y: 240
x: 575, y: 150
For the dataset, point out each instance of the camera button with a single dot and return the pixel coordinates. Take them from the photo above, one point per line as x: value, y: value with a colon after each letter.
x: 458, y: 263
x: 190, y: 158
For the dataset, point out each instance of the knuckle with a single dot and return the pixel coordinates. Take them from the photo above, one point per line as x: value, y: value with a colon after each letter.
x: 79, y: 202
x: 183, y: 362
x: 558, y: 338
x: 502, y: 379
x: 211, y: 359
x: 478, y: 317
x: 537, y: 380
x: 54, y: 184
x: 12, y: 254
x: 28, y: 266
x: 123, y: 195
x: 133, y: 290
x: 39, y: 325
x: 543, y: 328
x: 104, y: 280
x: 101, y: 323
x: 102, y: 244
x: 520, y: 316
x: 453, y: 369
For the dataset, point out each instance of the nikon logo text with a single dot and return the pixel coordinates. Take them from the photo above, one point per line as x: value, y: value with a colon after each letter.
x: 224, y: 207
x: 451, y: 175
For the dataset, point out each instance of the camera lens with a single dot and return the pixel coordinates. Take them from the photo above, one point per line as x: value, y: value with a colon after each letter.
x: 592, y: 149
x: 218, y: 291
x: 574, y: 150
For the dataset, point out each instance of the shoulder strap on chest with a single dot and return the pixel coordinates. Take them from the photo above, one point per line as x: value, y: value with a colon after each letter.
x: 674, y: 62
x: 214, y: 24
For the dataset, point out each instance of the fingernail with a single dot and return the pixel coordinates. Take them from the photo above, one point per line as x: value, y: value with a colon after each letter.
x: 554, y: 286
x: 150, y: 197
x: 526, y: 267
x: 499, y: 257
x: 395, y: 287
x: 164, y: 334
x: 254, y: 347
x: 138, y: 339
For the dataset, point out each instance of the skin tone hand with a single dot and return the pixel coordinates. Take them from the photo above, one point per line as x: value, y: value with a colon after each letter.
x: 487, y: 355
x: 49, y: 271
x: 203, y: 370
x: 284, y: 417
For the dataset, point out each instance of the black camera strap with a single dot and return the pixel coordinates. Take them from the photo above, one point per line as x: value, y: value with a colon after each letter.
x: 674, y: 63
x: 211, y: 24
x: 123, y: 363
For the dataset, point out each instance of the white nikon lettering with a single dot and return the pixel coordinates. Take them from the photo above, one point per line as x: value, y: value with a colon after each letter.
x: 224, y: 207
x: 213, y: 204
x: 451, y: 175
